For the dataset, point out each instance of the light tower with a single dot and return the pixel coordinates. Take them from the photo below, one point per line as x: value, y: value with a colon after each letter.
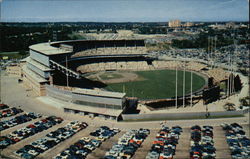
x: 176, y: 86
x: 191, y: 92
x: 184, y: 78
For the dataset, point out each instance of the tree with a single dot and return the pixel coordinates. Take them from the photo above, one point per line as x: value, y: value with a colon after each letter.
x: 237, y: 83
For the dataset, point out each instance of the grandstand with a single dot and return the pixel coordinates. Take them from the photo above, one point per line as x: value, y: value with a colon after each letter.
x: 102, y: 66
x: 111, y: 51
x: 218, y: 74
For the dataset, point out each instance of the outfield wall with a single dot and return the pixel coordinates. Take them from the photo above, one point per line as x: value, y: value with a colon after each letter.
x: 185, y: 115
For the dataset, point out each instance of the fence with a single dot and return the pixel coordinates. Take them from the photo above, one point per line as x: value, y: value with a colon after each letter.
x: 186, y: 115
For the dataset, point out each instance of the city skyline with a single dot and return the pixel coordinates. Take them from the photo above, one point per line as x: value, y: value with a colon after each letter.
x: 123, y: 10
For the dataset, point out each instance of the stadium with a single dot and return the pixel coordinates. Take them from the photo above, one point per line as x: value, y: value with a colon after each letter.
x: 108, y: 78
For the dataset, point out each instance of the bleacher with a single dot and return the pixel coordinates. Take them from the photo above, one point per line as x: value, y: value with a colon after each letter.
x: 112, y: 51
x: 218, y: 74
x: 131, y: 65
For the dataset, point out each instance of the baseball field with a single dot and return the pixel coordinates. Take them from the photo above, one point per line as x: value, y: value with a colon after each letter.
x: 157, y: 84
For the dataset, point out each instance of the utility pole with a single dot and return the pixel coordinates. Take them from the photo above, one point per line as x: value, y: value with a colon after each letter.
x: 211, y: 52
x: 67, y: 74
x: 208, y: 49
x: 0, y: 83
x: 228, y: 82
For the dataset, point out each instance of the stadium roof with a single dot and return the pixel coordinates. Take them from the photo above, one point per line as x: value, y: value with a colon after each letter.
x: 47, y: 49
x: 99, y: 93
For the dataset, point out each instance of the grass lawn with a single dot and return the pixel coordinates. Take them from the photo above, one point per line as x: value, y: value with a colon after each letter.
x: 12, y: 55
x: 158, y: 84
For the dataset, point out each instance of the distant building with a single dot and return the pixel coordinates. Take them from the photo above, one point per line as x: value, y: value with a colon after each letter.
x: 189, y: 24
x: 174, y: 23
x: 230, y: 25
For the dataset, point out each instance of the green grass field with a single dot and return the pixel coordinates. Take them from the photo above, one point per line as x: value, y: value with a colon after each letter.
x: 12, y: 55
x: 158, y: 84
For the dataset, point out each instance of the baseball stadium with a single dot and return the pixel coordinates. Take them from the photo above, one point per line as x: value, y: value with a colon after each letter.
x: 110, y: 78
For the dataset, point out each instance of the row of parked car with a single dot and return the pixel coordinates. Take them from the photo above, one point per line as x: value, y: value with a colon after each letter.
x: 239, y: 143
x: 28, y: 131
x: 85, y: 145
x: 104, y: 133
x: 52, y: 139
x: 18, y: 120
x: 3, y: 106
x: 202, y: 144
x: 10, y: 112
x: 127, y: 144
x: 164, y: 145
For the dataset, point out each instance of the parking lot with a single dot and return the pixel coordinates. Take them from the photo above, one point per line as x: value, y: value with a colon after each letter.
x: 106, y: 145
x: 182, y: 148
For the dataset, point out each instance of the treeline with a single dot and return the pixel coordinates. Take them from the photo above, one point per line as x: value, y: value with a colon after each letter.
x: 223, y: 38
x: 16, y: 38
x: 152, y: 30
x: 19, y: 36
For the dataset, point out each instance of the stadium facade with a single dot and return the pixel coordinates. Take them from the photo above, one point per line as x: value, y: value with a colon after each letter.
x: 51, y: 63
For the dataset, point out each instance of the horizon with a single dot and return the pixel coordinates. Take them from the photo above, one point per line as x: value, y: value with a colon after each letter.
x: 243, y: 21
x: 124, y: 11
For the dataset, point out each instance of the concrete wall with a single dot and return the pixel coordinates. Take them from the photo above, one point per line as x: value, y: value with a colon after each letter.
x: 94, y: 101
x: 14, y: 70
x: 37, y: 88
x: 58, y: 94
x: 38, y: 71
x: 181, y: 115
x: 100, y: 100
x: 39, y: 57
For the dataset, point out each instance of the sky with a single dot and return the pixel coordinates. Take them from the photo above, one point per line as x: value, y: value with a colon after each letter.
x: 123, y: 10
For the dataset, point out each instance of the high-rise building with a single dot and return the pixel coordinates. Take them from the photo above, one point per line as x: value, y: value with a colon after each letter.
x: 174, y: 23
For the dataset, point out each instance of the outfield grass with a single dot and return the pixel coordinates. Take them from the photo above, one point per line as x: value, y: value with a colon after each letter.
x: 158, y: 84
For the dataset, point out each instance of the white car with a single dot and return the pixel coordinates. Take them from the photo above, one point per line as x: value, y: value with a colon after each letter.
x: 192, y: 143
x: 116, y: 130
x: 171, y: 146
x: 165, y: 155
x: 89, y: 146
x: 81, y: 152
x: 100, y: 138
x: 123, y: 142
x: 204, y: 154
x: 152, y: 155
x: 33, y: 152
x: 112, y: 153
x: 43, y: 147
x: 87, y: 139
